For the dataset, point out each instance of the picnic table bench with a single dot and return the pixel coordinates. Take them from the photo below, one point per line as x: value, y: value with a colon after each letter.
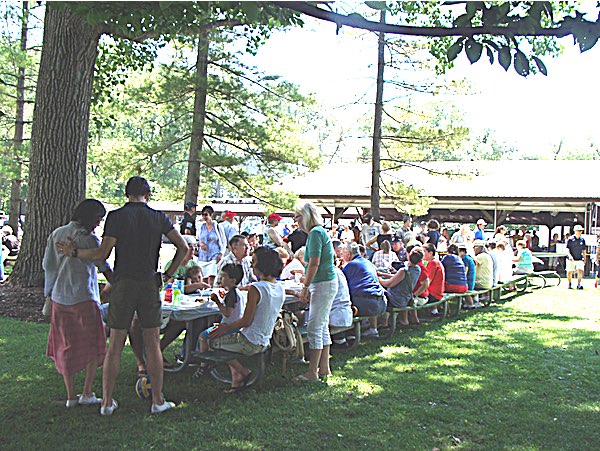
x: 333, y: 330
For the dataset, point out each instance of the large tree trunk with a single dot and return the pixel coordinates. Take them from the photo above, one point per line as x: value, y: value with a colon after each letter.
x: 376, y: 156
x: 193, y: 174
x: 59, y: 135
x: 15, y: 188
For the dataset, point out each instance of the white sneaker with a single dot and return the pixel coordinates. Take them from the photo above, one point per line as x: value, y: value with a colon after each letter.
x: 160, y: 408
x: 370, y: 332
x: 106, y: 411
x: 477, y: 305
x: 89, y: 400
x: 72, y: 403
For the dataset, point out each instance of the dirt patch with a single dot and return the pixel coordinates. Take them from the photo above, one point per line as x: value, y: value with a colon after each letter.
x: 24, y: 304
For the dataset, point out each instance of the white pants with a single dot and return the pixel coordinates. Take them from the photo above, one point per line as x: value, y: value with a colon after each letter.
x: 321, y: 299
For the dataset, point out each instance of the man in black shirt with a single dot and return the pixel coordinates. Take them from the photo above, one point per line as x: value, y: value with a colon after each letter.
x: 135, y: 231
x: 576, y: 258
x: 188, y: 222
x: 297, y: 238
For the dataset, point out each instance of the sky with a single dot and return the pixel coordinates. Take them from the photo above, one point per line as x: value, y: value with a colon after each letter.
x: 533, y: 114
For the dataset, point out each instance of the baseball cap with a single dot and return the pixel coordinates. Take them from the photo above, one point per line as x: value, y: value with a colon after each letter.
x: 578, y: 228
x: 396, y: 239
x: 189, y: 205
x: 481, y: 221
x: 274, y: 217
x: 229, y: 214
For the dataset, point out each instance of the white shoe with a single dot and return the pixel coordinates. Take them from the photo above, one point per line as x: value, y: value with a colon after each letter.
x: 160, y: 408
x: 106, y: 411
x: 370, y: 332
x: 72, y: 403
x: 89, y: 400
x: 477, y: 305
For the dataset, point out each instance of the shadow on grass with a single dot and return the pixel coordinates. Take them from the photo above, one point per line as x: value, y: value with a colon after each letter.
x: 497, y: 378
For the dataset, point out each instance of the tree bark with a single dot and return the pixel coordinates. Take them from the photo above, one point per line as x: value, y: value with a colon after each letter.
x: 376, y: 156
x: 59, y: 135
x: 193, y: 173
x: 15, y: 186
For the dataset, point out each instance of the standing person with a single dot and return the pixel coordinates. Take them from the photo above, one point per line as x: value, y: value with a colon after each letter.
x: 405, y: 231
x: 188, y: 222
x: 212, y: 245
x: 320, y: 287
x: 297, y: 238
x: 370, y: 229
x: 135, y: 231
x: 553, y: 261
x: 479, y: 235
x: 76, y: 340
x: 228, y: 228
x: 271, y: 237
x: 433, y: 232
x: 576, y: 258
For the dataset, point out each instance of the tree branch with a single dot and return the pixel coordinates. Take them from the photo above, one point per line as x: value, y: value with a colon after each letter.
x: 354, y: 21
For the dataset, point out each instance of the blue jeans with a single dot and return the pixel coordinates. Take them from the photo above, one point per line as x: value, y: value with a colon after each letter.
x: 369, y: 306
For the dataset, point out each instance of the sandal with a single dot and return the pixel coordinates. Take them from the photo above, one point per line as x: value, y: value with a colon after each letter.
x: 303, y: 378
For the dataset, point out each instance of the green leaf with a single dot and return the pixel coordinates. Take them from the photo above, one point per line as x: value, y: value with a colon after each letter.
x: 490, y: 54
x: 540, y: 65
x: 521, y: 63
x: 463, y: 20
x: 357, y: 16
x: 504, y: 57
x: 473, y: 49
x: 379, y: 6
x: 454, y: 50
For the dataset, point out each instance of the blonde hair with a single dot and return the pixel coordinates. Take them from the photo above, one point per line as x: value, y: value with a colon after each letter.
x: 310, y: 216
x: 386, y: 227
x: 300, y: 253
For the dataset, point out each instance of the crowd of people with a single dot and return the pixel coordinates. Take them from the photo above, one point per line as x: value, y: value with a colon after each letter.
x: 342, y: 272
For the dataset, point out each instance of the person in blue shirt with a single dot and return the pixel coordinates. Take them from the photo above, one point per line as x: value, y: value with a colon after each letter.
x: 366, y: 292
x: 480, y: 229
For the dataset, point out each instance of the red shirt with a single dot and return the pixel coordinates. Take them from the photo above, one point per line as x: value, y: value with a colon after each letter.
x: 436, y: 278
x: 422, y: 277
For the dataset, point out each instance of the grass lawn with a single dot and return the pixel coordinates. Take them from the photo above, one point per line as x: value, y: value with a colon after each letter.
x: 518, y: 375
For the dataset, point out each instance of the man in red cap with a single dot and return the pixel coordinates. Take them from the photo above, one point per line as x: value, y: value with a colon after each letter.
x: 227, y: 224
x: 271, y: 237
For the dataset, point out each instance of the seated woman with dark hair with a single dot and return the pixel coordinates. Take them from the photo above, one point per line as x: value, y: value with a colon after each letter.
x: 265, y: 299
x: 454, y: 268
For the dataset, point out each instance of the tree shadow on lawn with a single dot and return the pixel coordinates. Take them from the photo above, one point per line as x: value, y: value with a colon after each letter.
x: 515, y: 378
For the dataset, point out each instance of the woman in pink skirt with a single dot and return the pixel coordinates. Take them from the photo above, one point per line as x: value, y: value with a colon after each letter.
x: 76, y: 340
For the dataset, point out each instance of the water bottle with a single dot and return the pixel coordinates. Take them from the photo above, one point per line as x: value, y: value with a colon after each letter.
x: 176, y: 296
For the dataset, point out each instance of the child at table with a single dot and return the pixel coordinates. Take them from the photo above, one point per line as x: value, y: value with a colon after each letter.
x: 193, y: 280
x: 265, y: 299
x: 231, y: 305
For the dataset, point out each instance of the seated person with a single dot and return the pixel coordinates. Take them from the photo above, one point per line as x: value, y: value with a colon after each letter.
x: 265, y: 300
x: 383, y: 258
x: 523, y: 260
x: 10, y: 241
x: 484, y: 274
x: 193, y: 280
x: 400, y: 286
x: 231, y: 305
x: 366, y: 292
x: 435, y: 271
x: 188, y: 261
x: 283, y: 255
x: 296, y: 266
x: 456, y: 272
x: 237, y: 254
x: 470, y: 271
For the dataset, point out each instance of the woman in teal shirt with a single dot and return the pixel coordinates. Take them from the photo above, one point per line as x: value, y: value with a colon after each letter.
x: 320, y: 287
x: 523, y: 259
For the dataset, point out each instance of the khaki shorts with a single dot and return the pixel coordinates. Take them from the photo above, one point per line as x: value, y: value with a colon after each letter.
x: 130, y: 296
x: 574, y: 265
x: 236, y: 342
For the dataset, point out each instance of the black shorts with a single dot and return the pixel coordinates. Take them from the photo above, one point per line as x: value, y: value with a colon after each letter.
x: 128, y: 296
